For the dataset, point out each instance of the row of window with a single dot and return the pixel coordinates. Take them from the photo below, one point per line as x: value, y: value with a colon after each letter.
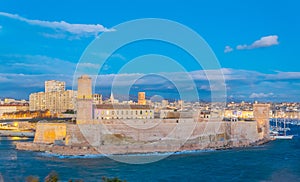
x: 113, y: 112
x: 136, y: 117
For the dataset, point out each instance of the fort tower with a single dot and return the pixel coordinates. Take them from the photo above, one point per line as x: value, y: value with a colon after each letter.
x: 84, y: 100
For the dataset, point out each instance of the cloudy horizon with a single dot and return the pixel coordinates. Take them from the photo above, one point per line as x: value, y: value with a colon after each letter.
x: 258, y: 56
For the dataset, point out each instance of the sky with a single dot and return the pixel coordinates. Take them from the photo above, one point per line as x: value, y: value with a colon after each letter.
x: 255, y: 42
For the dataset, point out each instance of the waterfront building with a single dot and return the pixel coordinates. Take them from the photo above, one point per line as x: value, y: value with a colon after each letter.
x: 54, y: 86
x: 13, y: 101
x: 123, y: 111
x: 9, y: 108
x: 246, y: 114
x: 27, y: 114
x: 55, y: 98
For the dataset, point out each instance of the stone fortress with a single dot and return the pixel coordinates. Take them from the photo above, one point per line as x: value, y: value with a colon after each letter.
x: 127, y: 129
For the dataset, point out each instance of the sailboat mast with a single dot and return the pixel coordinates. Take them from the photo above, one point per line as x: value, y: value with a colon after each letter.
x: 284, y: 127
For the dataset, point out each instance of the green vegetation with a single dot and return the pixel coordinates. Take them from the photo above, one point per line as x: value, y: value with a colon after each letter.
x: 32, y: 179
x: 69, y: 111
x: 52, y: 177
x: 105, y: 179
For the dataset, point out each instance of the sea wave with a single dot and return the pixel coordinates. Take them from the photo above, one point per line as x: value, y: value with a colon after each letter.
x: 50, y: 154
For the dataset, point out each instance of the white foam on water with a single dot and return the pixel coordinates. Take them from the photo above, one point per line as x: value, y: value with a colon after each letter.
x: 50, y: 154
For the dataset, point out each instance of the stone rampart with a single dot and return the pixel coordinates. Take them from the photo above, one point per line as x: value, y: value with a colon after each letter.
x: 48, y: 133
x: 142, y: 136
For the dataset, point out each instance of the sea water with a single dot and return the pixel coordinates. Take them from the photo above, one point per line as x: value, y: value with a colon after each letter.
x: 275, y: 161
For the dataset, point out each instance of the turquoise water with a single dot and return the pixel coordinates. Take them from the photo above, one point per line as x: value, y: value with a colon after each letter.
x: 274, y: 161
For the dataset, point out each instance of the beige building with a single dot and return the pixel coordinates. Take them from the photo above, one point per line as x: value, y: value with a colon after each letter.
x: 97, y: 99
x: 238, y: 114
x: 54, y: 86
x: 123, y: 111
x: 8, y: 108
x: 55, y: 101
x: 142, y: 98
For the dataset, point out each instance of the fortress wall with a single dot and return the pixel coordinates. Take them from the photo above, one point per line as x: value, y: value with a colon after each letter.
x: 74, y: 137
x: 26, y: 125
x: 185, y: 129
x: 49, y: 132
x: 163, y: 137
x: 242, y: 133
x: 84, y: 111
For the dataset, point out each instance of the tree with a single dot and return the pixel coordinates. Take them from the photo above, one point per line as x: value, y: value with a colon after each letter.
x: 32, y: 179
x: 105, y: 179
x: 52, y: 177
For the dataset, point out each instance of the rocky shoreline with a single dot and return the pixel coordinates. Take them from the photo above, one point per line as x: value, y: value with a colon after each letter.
x: 129, y: 149
x: 12, y: 133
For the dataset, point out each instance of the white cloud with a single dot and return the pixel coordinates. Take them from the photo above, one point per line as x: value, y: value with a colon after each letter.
x: 260, y: 95
x: 78, y: 29
x: 266, y: 41
x: 241, y: 84
x: 35, y: 64
x: 89, y: 65
x: 55, y: 36
x: 228, y: 49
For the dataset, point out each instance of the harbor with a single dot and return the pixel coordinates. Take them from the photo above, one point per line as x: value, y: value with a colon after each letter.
x: 215, y: 165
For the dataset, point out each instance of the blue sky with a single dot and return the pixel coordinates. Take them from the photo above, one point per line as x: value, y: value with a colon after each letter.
x: 256, y: 43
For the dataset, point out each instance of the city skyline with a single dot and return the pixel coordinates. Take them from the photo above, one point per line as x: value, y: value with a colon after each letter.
x: 255, y: 43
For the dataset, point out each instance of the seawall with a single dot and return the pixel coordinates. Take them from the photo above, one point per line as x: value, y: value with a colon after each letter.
x: 142, y: 136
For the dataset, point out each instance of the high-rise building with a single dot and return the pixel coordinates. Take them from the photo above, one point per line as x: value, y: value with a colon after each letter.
x: 55, y: 98
x: 142, y: 98
x: 55, y: 102
x: 54, y: 86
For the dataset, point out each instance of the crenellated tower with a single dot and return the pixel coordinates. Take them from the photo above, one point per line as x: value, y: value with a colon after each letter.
x: 84, y: 100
